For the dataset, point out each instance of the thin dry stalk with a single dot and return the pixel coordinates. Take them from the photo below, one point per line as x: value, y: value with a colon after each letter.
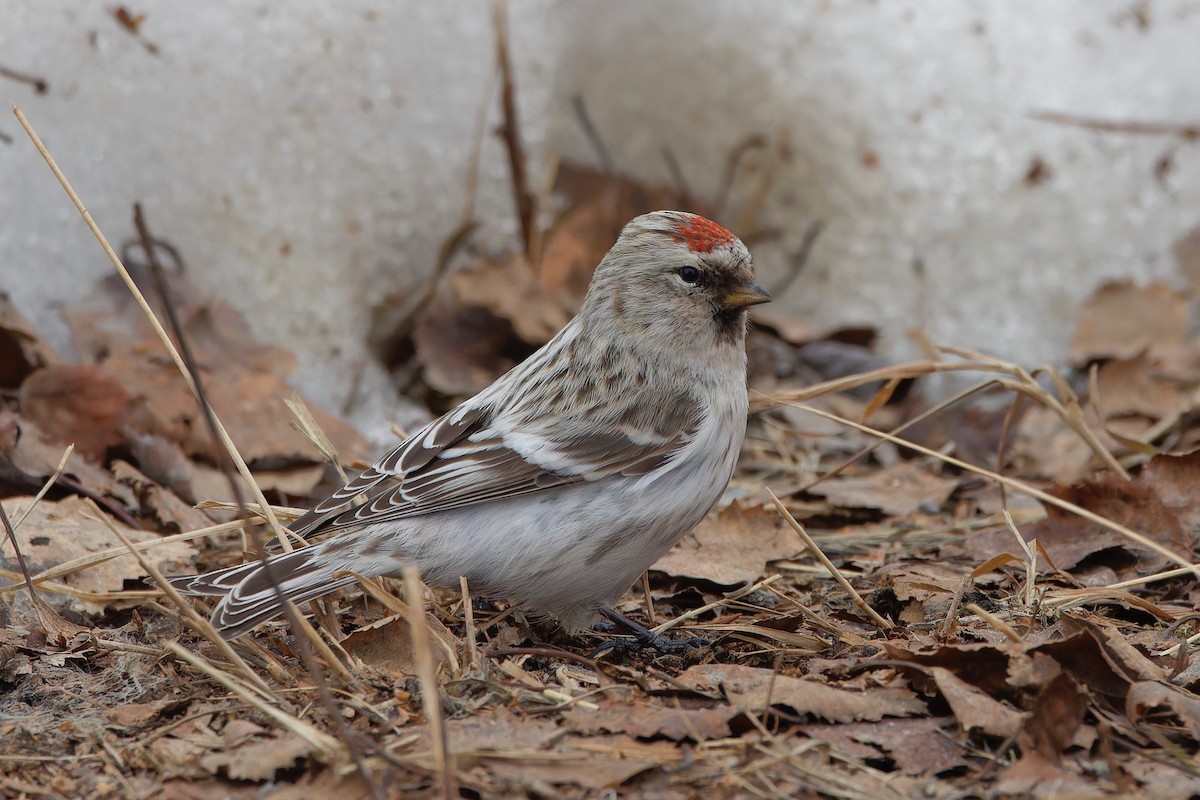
x: 834, y: 571
x: 37, y: 498
x: 1030, y: 550
x: 1015, y: 485
x: 330, y: 749
x: 222, y: 434
x: 510, y: 130
x: 648, y: 599
x: 197, y: 622
x: 306, y: 425
x: 431, y: 699
x: 469, y: 652
x: 995, y: 622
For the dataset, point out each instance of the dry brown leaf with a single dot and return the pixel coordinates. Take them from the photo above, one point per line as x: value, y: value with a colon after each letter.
x: 258, y: 759
x: 510, y: 290
x: 245, y: 381
x: 974, y: 710
x: 59, y: 531
x: 1147, y: 697
x: 901, y: 489
x: 920, y: 746
x: 134, y: 715
x: 82, y: 404
x: 1069, y: 540
x: 170, y: 514
x: 387, y: 645
x: 752, y: 689
x: 21, y: 349
x: 1174, y: 480
x: 1135, y: 386
x: 1056, y: 715
x: 649, y: 719
x: 1122, y: 320
x: 731, y: 546
x: 462, y: 349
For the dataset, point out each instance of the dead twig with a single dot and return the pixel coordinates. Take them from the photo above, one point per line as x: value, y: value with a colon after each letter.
x: 1183, y: 130
x: 523, y: 200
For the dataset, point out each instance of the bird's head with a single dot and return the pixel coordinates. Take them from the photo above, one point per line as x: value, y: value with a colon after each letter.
x: 677, y: 280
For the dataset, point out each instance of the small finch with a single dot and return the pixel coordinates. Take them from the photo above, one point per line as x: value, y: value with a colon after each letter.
x: 564, y: 480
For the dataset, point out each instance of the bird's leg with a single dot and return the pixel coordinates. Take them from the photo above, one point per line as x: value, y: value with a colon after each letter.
x: 644, y: 638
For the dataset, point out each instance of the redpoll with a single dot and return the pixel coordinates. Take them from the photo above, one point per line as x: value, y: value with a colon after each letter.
x: 560, y: 483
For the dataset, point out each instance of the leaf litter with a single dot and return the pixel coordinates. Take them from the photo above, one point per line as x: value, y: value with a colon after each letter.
x: 1012, y: 647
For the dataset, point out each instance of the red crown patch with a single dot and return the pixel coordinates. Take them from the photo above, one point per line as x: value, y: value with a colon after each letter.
x: 702, y: 235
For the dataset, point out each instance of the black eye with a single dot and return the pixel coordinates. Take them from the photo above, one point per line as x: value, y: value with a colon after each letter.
x: 689, y: 274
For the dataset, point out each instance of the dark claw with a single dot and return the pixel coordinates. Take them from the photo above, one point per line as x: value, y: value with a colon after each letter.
x: 644, y: 638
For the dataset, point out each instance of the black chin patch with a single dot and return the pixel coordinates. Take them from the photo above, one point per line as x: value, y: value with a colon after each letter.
x: 731, y: 323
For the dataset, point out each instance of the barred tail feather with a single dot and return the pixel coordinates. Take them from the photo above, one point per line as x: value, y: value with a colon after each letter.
x: 248, y: 597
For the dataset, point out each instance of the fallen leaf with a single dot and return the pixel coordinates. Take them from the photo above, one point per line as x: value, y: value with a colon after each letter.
x: 1122, y: 320
x: 1069, y: 540
x: 1052, y: 722
x: 920, y: 746
x: 650, y: 719
x: 59, y: 531
x: 259, y: 759
x: 245, y: 381
x: 752, y: 689
x: 901, y: 489
x: 1135, y: 386
x: 1147, y: 697
x: 974, y: 710
x: 21, y: 349
x: 82, y: 404
x: 731, y: 546
x: 462, y: 349
x: 387, y: 645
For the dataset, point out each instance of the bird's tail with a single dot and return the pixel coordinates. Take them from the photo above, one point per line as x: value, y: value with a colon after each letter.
x: 248, y: 596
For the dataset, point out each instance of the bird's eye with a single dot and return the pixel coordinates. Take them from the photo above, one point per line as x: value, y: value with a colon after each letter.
x: 689, y: 274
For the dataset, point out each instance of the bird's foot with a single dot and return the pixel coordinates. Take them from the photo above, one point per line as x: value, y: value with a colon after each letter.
x: 643, y: 638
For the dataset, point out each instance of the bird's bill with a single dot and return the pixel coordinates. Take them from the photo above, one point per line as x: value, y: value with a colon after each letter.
x: 747, y: 294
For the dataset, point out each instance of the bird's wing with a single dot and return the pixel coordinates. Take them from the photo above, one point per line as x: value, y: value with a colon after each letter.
x: 472, y: 455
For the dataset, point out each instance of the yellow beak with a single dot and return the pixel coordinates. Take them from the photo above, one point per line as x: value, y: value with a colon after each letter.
x: 748, y: 294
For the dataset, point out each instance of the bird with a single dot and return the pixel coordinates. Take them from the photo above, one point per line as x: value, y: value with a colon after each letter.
x: 557, y: 486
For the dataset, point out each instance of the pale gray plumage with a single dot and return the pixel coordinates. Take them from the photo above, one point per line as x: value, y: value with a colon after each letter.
x: 564, y: 480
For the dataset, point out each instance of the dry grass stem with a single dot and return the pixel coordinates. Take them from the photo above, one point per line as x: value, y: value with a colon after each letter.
x: 431, y: 698
x: 197, y: 622
x: 330, y: 749
x: 470, y: 654
x: 53, y: 479
x: 306, y: 425
x: 994, y: 621
x: 833, y: 570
